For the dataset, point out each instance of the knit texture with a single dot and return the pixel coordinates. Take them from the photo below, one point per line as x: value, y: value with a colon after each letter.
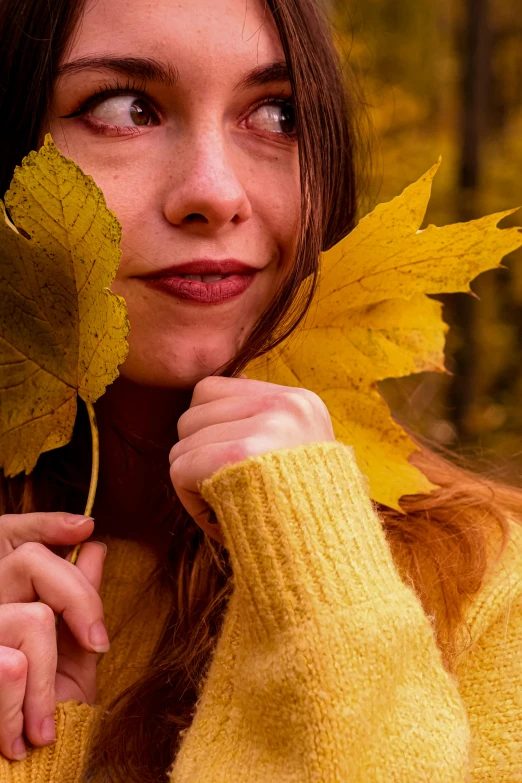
x: 326, y: 668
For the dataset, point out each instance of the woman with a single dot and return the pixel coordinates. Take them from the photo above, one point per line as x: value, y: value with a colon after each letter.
x: 305, y: 634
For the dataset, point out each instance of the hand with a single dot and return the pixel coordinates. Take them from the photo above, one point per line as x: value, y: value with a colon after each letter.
x: 230, y: 419
x: 36, y: 668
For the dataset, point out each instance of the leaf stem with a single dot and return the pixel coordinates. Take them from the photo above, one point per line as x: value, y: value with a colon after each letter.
x: 95, y: 458
x: 95, y: 466
x: 94, y: 471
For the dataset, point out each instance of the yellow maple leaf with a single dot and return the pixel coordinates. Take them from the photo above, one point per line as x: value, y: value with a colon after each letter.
x: 371, y: 319
x: 62, y: 332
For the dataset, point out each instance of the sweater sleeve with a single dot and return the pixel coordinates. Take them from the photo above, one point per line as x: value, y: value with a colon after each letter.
x: 326, y: 669
x: 66, y: 759
x: 491, y: 687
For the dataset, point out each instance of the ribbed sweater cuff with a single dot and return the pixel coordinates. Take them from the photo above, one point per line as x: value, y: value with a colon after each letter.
x: 301, y: 533
x: 66, y: 759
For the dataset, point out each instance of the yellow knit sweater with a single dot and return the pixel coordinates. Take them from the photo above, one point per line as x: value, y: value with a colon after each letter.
x: 326, y: 669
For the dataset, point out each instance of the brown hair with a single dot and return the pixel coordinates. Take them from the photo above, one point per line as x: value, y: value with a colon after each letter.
x: 439, y: 544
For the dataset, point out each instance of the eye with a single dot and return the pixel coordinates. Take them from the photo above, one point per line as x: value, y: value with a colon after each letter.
x: 274, y: 117
x: 123, y: 110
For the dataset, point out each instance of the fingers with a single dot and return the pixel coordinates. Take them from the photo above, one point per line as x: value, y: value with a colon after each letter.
x: 216, y: 387
x: 227, y: 409
x: 36, y: 670
x: 33, y: 572
x: 38, y: 643
x: 90, y: 562
x: 76, y: 665
x: 29, y: 655
x: 200, y: 512
x: 274, y: 421
x: 53, y: 528
x: 243, y: 430
x: 283, y: 400
x: 195, y: 466
x: 27, y: 673
x: 13, y: 671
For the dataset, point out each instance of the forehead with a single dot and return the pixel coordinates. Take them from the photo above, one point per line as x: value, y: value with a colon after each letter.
x: 217, y: 36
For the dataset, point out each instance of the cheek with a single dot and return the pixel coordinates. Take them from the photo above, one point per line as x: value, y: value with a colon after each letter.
x: 277, y: 202
x: 125, y: 181
x: 286, y: 218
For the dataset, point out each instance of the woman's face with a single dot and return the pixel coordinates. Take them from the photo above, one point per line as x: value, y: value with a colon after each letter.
x: 173, y: 109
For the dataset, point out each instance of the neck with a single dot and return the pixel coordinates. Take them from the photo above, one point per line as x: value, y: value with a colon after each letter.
x: 137, y: 427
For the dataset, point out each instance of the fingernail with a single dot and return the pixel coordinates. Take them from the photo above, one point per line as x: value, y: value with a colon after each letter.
x: 47, y: 729
x: 98, y: 638
x: 101, y: 544
x: 75, y: 519
x: 18, y: 749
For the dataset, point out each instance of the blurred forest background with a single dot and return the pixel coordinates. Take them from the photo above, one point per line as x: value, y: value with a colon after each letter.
x: 445, y: 78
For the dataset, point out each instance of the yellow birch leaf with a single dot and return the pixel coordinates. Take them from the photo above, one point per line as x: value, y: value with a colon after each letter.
x: 62, y: 332
x: 371, y: 319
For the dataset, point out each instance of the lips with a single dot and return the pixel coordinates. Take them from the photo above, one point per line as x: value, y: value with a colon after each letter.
x: 236, y: 278
x: 204, y: 266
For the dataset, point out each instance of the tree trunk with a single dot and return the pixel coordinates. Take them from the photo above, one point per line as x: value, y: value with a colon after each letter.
x: 461, y: 309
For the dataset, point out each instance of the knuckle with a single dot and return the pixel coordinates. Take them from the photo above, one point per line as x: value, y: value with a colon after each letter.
x: 206, y: 383
x: 251, y: 447
x: 182, y: 421
x: 173, y: 452
x: 281, y: 403
x: 296, y: 403
x: 13, y: 665
x: 31, y: 550
x: 317, y: 401
x: 307, y: 403
x: 306, y: 394
x: 177, y: 472
x: 275, y: 421
x: 205, y: 387
x: 39, y: 615
x: 82, y: 592
x: 183, y: 468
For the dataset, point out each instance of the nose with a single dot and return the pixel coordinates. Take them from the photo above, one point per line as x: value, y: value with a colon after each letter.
x: 205, y: 192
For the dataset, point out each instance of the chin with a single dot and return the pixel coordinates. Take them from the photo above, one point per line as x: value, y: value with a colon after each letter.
x: 180, y: 370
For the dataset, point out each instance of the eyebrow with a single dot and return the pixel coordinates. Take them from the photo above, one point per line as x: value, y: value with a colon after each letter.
x: 144, y: 68
x: 151, y: 70
x: 265, y: 74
